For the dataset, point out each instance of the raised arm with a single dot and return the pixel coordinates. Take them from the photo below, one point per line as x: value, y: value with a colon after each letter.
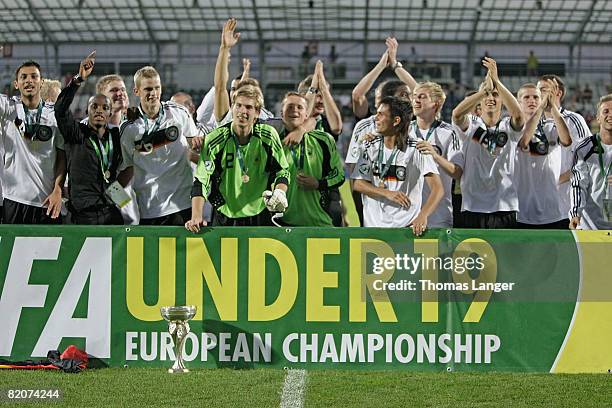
x: 229, y: 38
x: 469, y: 103
x: 331, y: 109
x: 360, y: 101
x: 562, y: 129
x: 532, y: 123
x: 68, y: 126
x: 509, y: 101
x: 401, y: 72
x: 246, y: 69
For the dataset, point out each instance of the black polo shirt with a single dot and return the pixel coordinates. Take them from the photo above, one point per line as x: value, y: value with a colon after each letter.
x: 86, y: 184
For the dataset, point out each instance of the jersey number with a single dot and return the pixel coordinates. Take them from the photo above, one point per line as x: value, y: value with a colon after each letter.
x: 229, y: 160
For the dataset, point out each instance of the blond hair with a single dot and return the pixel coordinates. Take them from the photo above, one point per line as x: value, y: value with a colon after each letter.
x: 253, y: 92
x: 145, y: 72
x: 105, y: 80
x: 602, y: 100
x: 293, y: 93
x: 47, y: 86
x: 528, y: 85
x: 435, y: 91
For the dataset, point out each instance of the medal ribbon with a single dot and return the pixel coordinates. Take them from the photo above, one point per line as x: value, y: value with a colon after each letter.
x: 243, y: 168
x: 300, y: 160
x: 104, y: 154
x: 491, y: 143
x: 417, y: 132
x: 157, y: 123
x: 540, y: 133
x: 387, y: 166
x: 29, y: 120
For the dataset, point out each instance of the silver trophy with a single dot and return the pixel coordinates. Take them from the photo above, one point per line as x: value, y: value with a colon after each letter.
x: 177, y: 318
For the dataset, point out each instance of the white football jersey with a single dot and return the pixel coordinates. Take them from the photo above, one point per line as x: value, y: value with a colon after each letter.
x: 405, y: 173
x: 589, y: 185
x: 362, y: 127
x: 162, y: 172
x: 28, y: 172
x: 444, y: 138
x: 487, y: 184
x: 537, y: 179
x: 578, y: 131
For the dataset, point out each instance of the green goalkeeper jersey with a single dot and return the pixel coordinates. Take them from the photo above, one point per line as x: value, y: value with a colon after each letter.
x: 315, y: 156
x: 234, y: 176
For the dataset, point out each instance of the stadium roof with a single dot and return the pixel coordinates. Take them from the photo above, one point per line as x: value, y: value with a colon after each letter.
x: 485, y: 21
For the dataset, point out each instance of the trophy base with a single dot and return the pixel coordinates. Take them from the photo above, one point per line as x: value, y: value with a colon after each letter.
x: 178, y: 370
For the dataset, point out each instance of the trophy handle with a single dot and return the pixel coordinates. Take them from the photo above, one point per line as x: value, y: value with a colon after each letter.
x: 178, y: 337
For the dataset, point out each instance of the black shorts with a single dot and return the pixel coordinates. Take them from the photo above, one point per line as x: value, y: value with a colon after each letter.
x: 103, y: 215
x: 495, y: 220
x: 177, y: 218
x: 263, y: 219
x: 18, y: 213
x: 558, y: 225
x: 335, y: 210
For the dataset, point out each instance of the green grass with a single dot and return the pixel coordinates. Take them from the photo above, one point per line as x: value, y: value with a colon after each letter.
x: 139, y: 387
x: 117, y: 387
x: 397, y: 389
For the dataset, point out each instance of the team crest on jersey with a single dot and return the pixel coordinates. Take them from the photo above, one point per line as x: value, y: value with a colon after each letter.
x: 364, y: 168
x: 400, y: 173
x: 208, y: 165
x: 355, y: 151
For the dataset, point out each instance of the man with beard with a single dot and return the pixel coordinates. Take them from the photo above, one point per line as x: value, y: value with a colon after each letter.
x: 391, y: 172
x: 240, y: 163
x: 94, y: 156
x: 32, y: 153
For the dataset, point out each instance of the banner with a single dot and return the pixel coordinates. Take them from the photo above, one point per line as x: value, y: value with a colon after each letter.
x: 352, y: 298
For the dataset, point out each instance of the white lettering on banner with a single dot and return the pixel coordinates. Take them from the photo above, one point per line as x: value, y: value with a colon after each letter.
x: 209, y: 342
x: 166, y: 349
x: 94, y: 262
x: 191, y: 343
x: 244, y: 347
x: 130, y: 346
x: 401, y: 348
x: 351, y: 345
x: 17, y: 293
